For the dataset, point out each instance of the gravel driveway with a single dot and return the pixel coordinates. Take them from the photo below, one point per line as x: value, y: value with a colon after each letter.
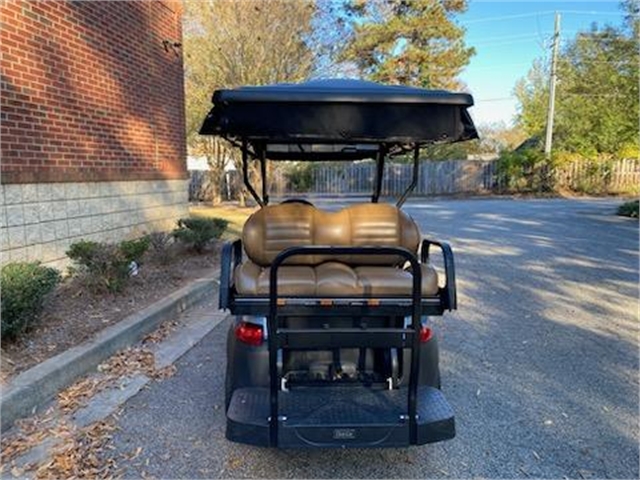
x: 540, y: 362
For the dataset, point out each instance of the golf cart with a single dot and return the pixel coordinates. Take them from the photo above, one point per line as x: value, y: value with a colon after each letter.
x: 331, y: 344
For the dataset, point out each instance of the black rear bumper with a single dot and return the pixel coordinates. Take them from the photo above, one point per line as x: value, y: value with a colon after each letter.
x: 339, y: 417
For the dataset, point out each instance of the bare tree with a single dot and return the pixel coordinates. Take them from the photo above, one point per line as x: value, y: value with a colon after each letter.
x: 232, y: 43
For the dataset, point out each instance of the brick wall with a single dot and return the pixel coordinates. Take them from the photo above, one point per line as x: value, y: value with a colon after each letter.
x: 92, y: 124
x: 89, y: 92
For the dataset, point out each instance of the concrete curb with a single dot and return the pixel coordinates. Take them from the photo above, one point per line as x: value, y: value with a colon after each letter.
x: 36, y: 386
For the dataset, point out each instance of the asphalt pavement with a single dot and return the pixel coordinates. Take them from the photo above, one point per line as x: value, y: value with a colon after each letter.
x: 540, y: 361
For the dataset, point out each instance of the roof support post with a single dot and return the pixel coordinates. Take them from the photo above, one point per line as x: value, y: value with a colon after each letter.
x: 414, y: 181
x: 380, y: 156
x: 245, y: 173
x: 263, y: 170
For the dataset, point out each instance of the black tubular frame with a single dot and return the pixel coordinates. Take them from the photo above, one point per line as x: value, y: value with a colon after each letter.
x: 263, y: 174
x: 275, y: 341
x: 380, y: 157
x: 414, y: 180
x: 229, y: 250
x: 245, y: 174
x: 260, y: 154
x: 450, y: 297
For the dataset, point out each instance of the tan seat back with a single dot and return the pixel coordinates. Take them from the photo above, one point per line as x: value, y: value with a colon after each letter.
x: 277, y: 227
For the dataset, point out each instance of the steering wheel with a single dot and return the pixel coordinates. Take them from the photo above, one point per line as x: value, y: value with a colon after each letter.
x: 297, y: 200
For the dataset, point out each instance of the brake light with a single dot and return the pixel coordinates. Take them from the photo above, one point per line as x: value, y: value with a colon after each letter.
x: 249, y: 333
x: 425, y: 334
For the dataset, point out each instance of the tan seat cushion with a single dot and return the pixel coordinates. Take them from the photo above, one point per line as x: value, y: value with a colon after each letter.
x: 394, y: 281
x: 333, y: 279
x: 274, y: 228
x: 277, y: 227
x: 251, y: 279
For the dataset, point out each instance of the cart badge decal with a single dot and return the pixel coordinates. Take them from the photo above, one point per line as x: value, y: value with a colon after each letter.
x: 344, y: 433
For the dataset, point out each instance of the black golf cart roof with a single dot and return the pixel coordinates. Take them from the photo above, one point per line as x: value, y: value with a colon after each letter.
x: 336, y: 119
x: 300, y: 121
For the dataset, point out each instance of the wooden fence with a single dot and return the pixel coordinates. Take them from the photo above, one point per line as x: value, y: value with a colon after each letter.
x: 435, y: 178
x: 618, y: 176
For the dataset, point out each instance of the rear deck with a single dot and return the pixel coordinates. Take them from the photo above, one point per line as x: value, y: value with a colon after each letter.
x: 339, y: 417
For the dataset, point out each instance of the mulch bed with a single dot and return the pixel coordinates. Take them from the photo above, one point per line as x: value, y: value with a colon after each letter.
x: 73, y: 314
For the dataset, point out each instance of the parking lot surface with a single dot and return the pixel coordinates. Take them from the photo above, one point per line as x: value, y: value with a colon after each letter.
x: 540, y: 361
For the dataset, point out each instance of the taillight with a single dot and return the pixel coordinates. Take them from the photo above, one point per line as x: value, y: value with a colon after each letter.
x: 425, y: 334
x: 249, y: 333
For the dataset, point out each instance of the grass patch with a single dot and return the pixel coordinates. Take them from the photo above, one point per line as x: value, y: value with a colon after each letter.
x: 236, y: 217
x: 629, y: 209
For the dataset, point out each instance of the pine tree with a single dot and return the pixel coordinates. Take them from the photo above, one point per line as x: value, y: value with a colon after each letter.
x: 409, y: 42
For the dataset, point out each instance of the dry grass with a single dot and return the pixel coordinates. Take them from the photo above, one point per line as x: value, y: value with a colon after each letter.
x: 234, y: 214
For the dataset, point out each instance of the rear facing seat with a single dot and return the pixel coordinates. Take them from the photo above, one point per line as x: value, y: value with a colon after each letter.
x: 277, y: 227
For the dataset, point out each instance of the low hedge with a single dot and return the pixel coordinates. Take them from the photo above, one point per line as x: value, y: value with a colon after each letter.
x: 24, y: 288
x: 106, y: 266
x: 197, y: 232
x: 629, y: 209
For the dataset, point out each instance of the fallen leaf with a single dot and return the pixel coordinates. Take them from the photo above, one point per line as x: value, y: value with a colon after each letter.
x: 17, y: 472
x: 136, y: 454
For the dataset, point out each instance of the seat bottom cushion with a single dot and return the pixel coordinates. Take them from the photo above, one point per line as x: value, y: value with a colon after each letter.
x: 333, y: 279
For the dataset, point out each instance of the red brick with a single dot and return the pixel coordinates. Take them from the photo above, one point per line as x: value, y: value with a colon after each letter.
x: 75, y: 75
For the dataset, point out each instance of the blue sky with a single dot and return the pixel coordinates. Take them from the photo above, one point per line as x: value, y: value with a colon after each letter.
x: 509, y: 35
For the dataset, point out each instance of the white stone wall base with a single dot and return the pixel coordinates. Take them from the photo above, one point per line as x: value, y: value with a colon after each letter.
x: 40, y: 221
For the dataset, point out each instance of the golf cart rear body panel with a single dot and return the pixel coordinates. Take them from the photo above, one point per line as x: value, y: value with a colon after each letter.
x: 332, y: 345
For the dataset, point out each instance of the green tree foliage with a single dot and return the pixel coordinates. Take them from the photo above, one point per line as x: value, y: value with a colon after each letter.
x: 596, y: 93
x: 410, y: 42
x: 532, y: 93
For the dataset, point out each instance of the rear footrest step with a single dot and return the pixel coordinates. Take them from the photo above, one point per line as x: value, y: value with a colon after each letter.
x: 339, y: 416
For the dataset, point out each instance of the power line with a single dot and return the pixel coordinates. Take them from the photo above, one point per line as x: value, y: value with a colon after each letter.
x: 507, y: 17
x: 496, y: 67
x: 501, y: 44
x: 589, y: 12
x: 503, y: 37
x: 498, y: 99
x: 534, y: 14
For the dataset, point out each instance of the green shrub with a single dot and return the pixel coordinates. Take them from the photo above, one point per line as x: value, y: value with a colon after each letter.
x: 106, y: 266
x: 83, y: 251
x: 526, y: 170
x: 134, y: 250
x: 24, y: 288
x: 300, y: 176
x: 629, y: 209
x: 160, y: 246
x: 198, y: 232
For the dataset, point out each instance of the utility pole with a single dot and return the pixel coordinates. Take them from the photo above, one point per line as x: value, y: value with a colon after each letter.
x: 552, y: 87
